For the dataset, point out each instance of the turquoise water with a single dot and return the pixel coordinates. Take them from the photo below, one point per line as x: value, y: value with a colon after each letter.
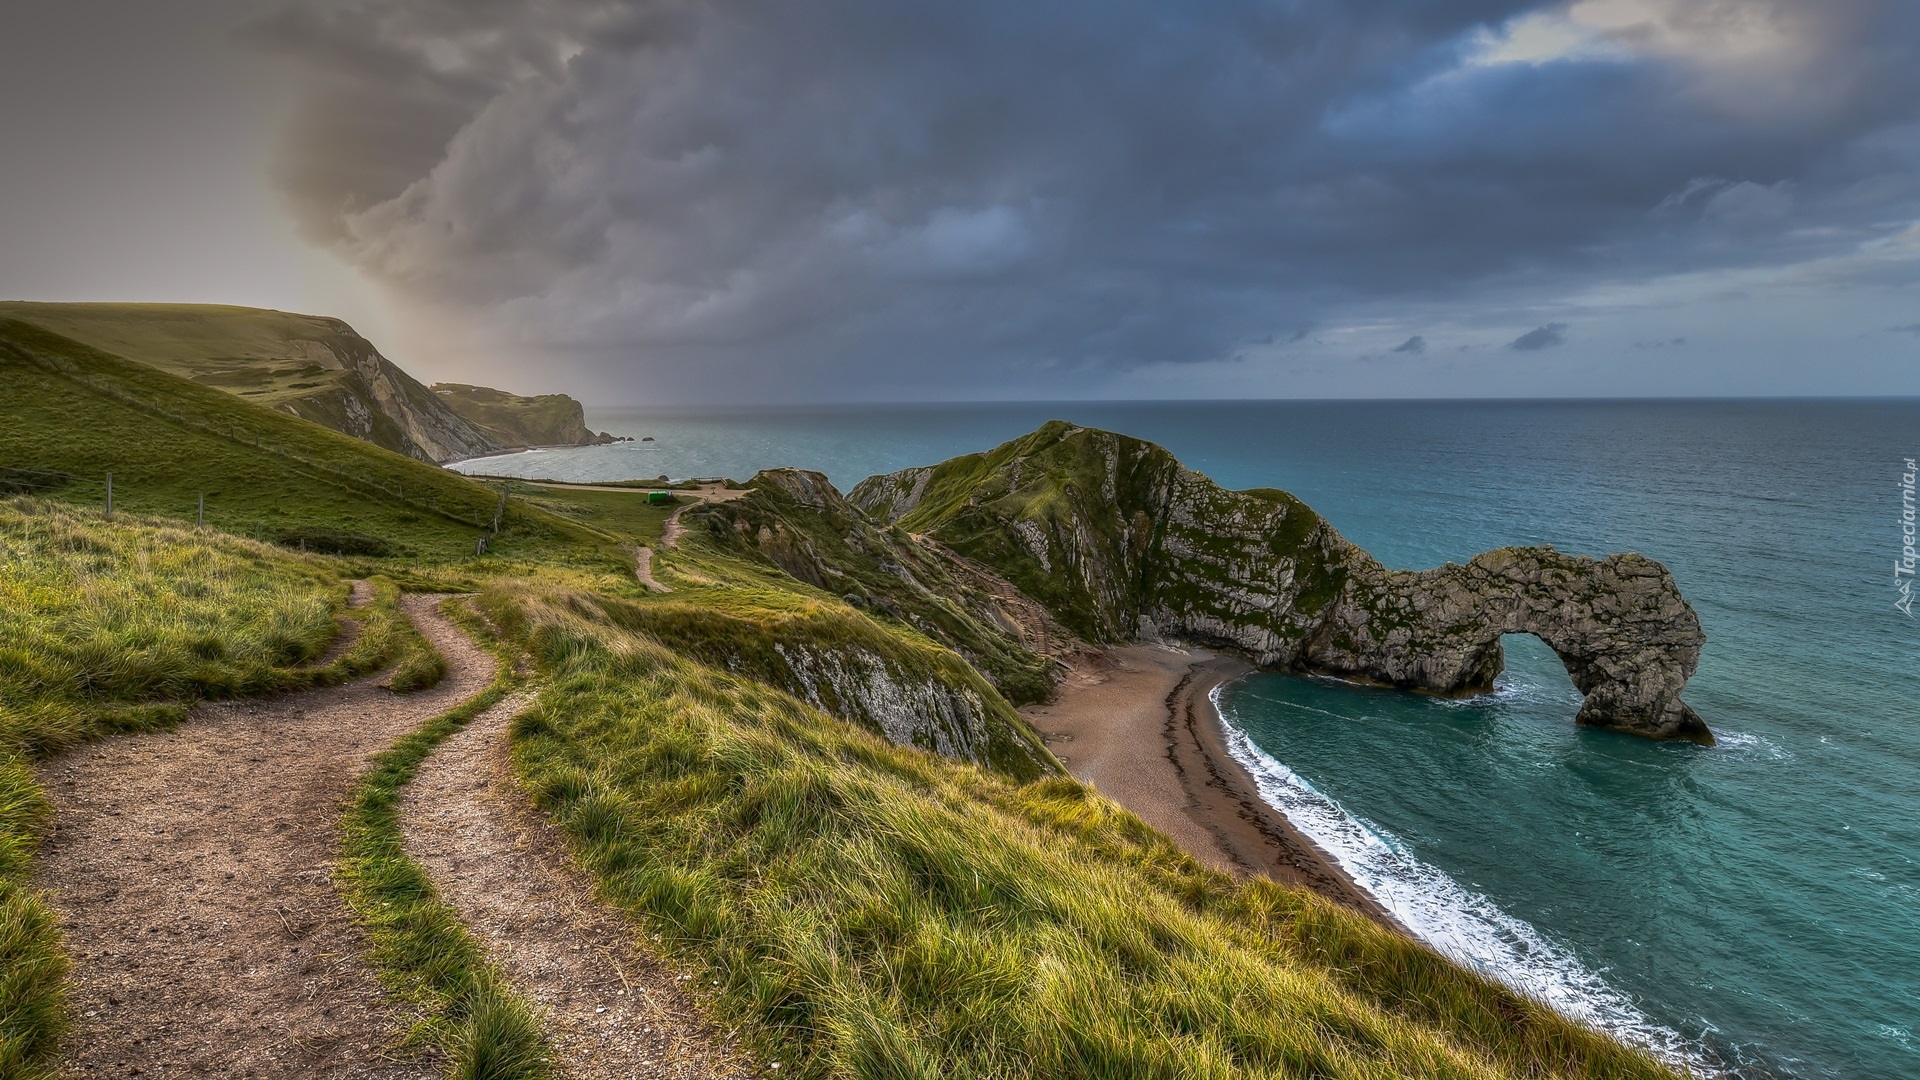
x: 1754, y: 906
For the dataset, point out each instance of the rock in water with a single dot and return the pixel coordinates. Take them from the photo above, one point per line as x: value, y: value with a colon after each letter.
x: 1121, y: 541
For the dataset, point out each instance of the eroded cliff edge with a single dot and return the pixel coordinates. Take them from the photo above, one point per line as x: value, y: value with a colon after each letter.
x: 1121, y: 542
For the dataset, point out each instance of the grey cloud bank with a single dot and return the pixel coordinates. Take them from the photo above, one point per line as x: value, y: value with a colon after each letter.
x: 728, y: 199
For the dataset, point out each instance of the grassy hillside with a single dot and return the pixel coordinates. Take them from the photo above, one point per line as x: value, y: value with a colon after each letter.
x: 303, y: 365
x: 1068, y: 514
x: 512, y: 420
x: 870, y: 911
x: 73, y: 414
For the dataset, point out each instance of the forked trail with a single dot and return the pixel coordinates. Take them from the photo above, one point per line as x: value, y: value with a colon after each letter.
x: 610, y: 1009
x: 192, y: 872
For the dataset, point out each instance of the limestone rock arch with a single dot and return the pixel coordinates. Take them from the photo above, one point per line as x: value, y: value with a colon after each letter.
x: 1627, y: 638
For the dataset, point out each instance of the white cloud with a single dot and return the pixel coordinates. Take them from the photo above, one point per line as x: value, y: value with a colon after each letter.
x: 1543, y: 37
x: 1712, y: 31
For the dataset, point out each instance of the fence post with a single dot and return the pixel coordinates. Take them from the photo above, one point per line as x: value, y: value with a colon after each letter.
x: 202, y: 517
x: 109, y: 496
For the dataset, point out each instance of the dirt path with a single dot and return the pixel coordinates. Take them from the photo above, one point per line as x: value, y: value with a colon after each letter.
x: 643, y: 569
x: 670, y: 533
x: 611, y: 1010
x: 191, y: 870
x: 349, y: 632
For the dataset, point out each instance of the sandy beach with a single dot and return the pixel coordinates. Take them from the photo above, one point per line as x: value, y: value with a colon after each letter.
x: 1137, y: 724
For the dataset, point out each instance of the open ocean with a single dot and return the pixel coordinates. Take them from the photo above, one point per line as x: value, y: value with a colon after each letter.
x: 1752, y: 908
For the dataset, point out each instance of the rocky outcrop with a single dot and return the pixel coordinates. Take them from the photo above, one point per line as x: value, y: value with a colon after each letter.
x: 1121, y: 541
x: 799, y: 522
x: 854, y: 665
x: 516, y: 421
x: 372, y: 396
x: 908, y: 708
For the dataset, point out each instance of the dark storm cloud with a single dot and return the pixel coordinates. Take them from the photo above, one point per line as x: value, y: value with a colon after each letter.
x: 852, y: 190
x: 1544, y: 337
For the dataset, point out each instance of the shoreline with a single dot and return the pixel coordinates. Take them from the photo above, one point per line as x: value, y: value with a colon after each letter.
x: 1139, y: 725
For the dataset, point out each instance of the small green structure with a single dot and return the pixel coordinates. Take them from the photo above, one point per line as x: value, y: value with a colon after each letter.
x: 659, y: 498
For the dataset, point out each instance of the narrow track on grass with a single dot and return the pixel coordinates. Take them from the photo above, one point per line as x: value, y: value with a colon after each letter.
x: 643, y: 569
x: 192, y: 871
x: 610, y: 1009
x: 671, y: 532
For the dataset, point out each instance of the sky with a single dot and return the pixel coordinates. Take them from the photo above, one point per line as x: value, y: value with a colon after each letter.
x: 710, y: 201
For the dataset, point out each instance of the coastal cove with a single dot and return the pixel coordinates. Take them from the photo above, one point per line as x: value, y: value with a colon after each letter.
x: 1758, y: 898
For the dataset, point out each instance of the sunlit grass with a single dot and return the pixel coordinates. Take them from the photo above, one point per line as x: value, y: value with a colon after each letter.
x: 875, y: 911
x: 113, y: 627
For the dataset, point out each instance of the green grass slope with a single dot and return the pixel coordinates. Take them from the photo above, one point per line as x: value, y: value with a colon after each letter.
x: 71, y: 414
x: 308, y: 366
x: 1067, y: 514
x: 513, y: 420
x: 797, y: 521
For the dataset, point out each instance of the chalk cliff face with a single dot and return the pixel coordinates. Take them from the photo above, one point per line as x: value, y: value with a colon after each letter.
x: 899, y: 638
x: 1121, y: 541
x: 797, y: 521
x: 371, y: 396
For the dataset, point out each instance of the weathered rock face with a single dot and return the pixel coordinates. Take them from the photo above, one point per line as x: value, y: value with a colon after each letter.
x: 373, y: 393
x: 797, y: 521
x: 1121, y: 541
x: 910, y: 708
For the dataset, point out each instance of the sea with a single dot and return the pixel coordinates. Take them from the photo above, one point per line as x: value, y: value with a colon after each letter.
x: 1750, y: 909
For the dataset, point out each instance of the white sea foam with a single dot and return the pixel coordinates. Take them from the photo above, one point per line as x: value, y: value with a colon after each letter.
x: 1463, y: 924
x: 1751, y: 745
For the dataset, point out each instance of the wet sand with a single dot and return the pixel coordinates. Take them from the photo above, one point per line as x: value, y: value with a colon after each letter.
x: 1137, y: 724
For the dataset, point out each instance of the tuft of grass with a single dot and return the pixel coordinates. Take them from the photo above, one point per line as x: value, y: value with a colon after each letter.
x: 419, y: 667
x: 423, y: 953
x: 33, y: 1013
x: 869, y: 910
x: 500, y: 1040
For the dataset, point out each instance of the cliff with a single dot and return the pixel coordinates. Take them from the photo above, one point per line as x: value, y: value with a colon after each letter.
x: 796, y: 520
x: 308, y: 366
x: 1121, y: 541
x: 864, y: 624
x: 512, y: 420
